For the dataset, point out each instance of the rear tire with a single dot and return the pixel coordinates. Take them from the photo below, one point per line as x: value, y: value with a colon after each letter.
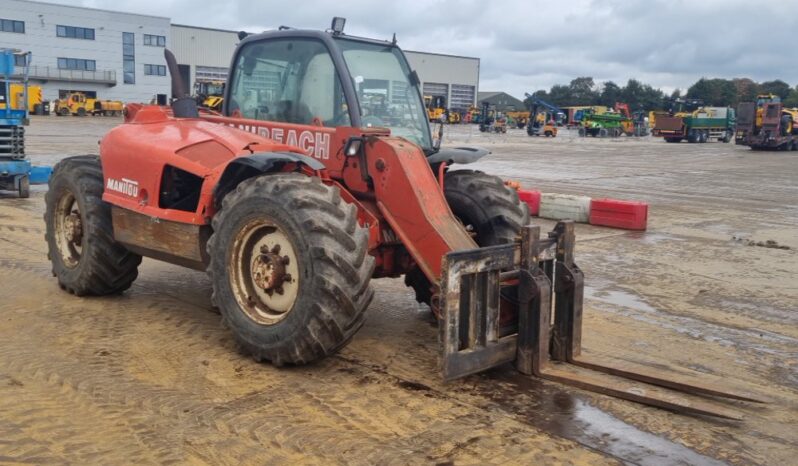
x: 486, y: 206
x: 24, y: 187
x: 582, y: 132
x: 727, y: 137
x: 314, y: 303
x: 79, y: 232
x: 673, y: 140
x: 602, y: 133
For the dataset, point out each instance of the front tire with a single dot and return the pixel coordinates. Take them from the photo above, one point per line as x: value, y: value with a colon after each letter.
x: 488, y: 209
x: 290, y: 268
x: 79, y: 232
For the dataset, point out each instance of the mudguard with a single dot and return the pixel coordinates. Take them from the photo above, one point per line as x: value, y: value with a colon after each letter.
x: 242, y: 168
x: 459, y: 155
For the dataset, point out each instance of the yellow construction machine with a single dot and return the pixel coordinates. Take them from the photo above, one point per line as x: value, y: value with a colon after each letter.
x: 35, y: 105
x: 209, y: 94
x: 79, y: 104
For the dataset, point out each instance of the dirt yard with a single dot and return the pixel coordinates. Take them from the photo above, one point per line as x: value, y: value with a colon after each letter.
x: 152, y: 377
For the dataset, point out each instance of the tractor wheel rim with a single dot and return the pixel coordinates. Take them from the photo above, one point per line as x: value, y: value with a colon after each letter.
x: 69, y: 230
x: 265, y: 272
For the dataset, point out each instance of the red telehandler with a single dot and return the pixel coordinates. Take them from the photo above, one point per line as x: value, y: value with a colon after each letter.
x: 307, y: 187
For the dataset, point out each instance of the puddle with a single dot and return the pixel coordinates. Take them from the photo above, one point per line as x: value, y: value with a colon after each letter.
x: 653, y: 238
x: 620, y: 298
x: 565, y: 415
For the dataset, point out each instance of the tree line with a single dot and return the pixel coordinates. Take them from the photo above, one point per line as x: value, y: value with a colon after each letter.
x: 715, y: 92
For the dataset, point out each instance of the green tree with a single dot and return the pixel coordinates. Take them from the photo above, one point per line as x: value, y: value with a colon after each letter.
x: 582, y: 91
x: 714, y: 92
x: 610, y: 93
x: 561, y: 95
x: 777, y: 87
x: 641, y: 96
x: 746, y: 90
x: 792, y: 99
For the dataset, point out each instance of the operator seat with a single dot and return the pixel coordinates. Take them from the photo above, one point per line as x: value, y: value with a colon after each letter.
x: 290, y: 111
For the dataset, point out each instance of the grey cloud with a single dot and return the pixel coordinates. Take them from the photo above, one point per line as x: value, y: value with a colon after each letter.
x: 527, y: 45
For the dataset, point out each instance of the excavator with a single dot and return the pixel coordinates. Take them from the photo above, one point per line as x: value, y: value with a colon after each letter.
x: 298, y: 194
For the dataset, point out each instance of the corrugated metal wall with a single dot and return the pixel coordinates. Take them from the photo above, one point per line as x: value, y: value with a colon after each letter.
x: 203, y: 47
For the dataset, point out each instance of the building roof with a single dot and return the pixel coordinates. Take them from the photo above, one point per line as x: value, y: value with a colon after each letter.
x: 486, y: 95
x: 441, y: 54
x: 204, y: 28
x: 501, y: 100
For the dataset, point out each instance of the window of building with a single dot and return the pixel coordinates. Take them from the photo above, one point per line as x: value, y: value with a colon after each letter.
x: 129, y: 57
x: 155, y: 41
x: 154, y: 70
x: 73, y: 32
x: 77, y: 64
x: 10, y: 25
x: 19, y: 60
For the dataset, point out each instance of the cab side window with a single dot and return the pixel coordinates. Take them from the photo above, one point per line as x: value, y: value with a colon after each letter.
x: 288, y: 80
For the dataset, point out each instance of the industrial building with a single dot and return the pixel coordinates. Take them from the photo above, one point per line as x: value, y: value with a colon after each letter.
x: 119, y: 56
x: 501, y: 101
x: 451, y: 76
x: 105, y: 54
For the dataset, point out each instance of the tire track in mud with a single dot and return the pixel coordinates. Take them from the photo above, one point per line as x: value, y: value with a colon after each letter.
x: 176, y: 328
x: 337, y: 424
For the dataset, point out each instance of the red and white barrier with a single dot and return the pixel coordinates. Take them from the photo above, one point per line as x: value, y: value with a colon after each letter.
x: 628, y: 215
x: 532, y: 199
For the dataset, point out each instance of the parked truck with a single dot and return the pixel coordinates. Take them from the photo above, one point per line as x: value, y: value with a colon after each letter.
x: 767, y: 124
x: 701, y: 125
x: 79, y: 104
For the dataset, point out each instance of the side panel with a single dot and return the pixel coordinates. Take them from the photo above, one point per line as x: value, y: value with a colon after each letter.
x: 319, y: 142
x: 175, y: 242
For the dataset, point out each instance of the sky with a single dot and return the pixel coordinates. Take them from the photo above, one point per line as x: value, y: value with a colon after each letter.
x: 527, y: 45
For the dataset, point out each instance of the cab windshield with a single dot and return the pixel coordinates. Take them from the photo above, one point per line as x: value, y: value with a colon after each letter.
x: 387, y: 97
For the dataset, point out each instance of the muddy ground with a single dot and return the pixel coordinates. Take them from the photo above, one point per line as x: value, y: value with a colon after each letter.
x: 152, y: 377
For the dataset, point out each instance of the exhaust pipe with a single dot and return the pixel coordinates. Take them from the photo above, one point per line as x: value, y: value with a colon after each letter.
x: 183, y: 106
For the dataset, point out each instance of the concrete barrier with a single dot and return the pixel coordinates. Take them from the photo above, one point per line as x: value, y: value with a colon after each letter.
x: 565, y: 207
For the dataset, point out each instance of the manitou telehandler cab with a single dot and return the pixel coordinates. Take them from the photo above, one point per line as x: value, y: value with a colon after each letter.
x: 307, y: 187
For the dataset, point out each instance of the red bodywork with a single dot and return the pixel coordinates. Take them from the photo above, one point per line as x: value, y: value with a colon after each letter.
x: 404, y: 207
